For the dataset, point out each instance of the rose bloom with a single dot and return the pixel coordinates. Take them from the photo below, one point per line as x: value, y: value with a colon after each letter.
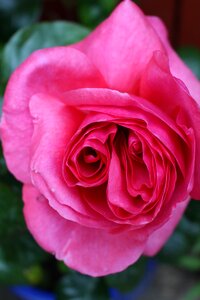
x: 104, y: 135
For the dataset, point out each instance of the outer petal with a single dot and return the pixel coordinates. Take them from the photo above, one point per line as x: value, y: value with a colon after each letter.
x: 157, y: 239
x: 54, y: 126
x: 90, y: 251
x: 177, y: 67
x: 52, y: 71
x: 121, y: 46
x: 170, y: 95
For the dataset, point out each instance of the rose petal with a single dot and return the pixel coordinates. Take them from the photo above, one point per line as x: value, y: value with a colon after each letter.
x: 96, y: 136
x: 52, y: 71
x: 101, y: 253
x: 53, y: 128
x: 163, y: 90
x: 124, y: 108
x: 177, y: 66
x: 116, y: 189
x: 116, y: 47
x: 159, y: 237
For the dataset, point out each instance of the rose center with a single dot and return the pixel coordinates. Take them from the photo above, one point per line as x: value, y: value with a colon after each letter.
x: 135, y: 146
x: 90, y: 155
x: 89, y: 162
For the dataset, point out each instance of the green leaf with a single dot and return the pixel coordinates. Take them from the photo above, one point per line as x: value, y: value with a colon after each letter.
x: 11, y: 273
x: 193, y: 293
x: 38, y: 36
x: 75, y: 286
x: 125, y: 281
x: 193, y: 211
x: 183, y: 247
x: 5, y: 176
x: 62, y: 267
x: 196, y: 248
x: 91, y: 13
x: 190, y: 263
x: 1, y: 102
x: 190, y: 228
x: 23, y: 250
x: 176, y: 246
x: 191, y: 57
x: 15, y: 14
x: 108, y: 5
x: 19, y: 254
x: 1, y: 86
x: 17, y: 246
x: 11, y: 219
x: 34, y: 274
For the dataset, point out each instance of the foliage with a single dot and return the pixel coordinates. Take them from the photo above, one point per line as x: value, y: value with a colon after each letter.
x: 124, y: 281
x: 81, y: 287
x: 34, y: 37
x: 15, y: 14
x: 91, y: 13
x: 191, y: 56
x: 193, y: 294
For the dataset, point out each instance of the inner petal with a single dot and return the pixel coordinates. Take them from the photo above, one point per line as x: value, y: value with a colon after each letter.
x: 135, y: 146
x: 90, y: 155
x: 89, y: 162
x: 87, y: 157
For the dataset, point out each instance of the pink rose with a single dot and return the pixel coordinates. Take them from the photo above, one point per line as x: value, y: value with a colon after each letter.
x: 105, y: 136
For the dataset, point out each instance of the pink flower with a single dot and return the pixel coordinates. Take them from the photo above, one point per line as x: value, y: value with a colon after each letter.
x: 105, y: 136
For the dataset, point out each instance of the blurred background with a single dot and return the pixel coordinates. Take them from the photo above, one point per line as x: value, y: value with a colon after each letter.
x: 25, y: 270
x: 180, y: 16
